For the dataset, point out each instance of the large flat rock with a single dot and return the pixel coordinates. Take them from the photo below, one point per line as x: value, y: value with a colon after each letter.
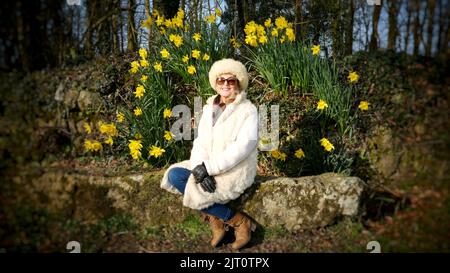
x: 295, y: 203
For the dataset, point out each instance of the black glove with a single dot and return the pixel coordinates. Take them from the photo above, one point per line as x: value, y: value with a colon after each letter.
x: 208, y: 184
x: 200, y: 173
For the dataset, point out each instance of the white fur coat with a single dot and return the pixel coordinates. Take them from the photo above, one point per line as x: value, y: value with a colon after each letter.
x: 229, y: 151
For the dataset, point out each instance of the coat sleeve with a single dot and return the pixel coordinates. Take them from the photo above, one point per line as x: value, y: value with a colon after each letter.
x: 237, y: 151
x: 199, y: 153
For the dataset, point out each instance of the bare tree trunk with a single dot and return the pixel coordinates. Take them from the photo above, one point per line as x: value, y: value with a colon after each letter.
x: 115, y: 23
x: 200, y: 14
x: 416, y: 27
x: 245, y: 11
x: 147, y: 15
x: 298, y: 20
x: 91, y: 13
x: 393, y: 29
x: 445, y: 47
x: 349, y: 29
x: 336, y: 33
x: 122, y: 34
x: 408, y: 24
x: 23, y: 56
x: 131, y: 30
x: 251, y: 9
x: 374, y: 39
x: 242, y: 14
x: 430, y: 26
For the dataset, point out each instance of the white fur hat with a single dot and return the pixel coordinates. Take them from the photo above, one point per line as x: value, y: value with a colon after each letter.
x: 229, y: 66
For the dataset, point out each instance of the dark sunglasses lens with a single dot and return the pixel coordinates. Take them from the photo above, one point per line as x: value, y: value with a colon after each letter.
x: 232, y: 81
x: 221, y: 81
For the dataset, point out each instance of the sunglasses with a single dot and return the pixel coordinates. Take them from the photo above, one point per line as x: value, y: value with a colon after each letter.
x: 230, y: 81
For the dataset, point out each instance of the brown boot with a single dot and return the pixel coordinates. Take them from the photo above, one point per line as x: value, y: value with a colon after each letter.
x: 218, y: 228
x: 243, y: 228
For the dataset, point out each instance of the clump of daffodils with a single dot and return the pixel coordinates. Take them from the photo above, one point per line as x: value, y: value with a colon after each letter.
x: 256, y: 34
x: 104, y: 134
x: 326, y: 144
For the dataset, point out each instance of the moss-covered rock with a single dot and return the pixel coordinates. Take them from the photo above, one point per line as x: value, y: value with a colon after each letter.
x: 294, y: 203
x: 303, y: 202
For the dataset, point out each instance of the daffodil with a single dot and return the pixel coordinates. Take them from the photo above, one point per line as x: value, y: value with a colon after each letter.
x: 87, y: 128
x: 197, y: 37
x: 135, y: 144
x: 205, y: 57
x: 134, y: 67
x: 168, y: 23
x: 144, y: 63
x: 167, y: 113
x: 262, y: 39
x: 94, y: 145
x: 109, y: 141
x: 251, y: 40
x: 137, y: 111
x: 353, y: 77
x: 290, y: 34
x: 299, y: 153
x: 143, y: 53
x: 281, y: 22
x: 108, y: 129
x: 176, y: 39
x: 191, y: 69
x: 195, y: 54
x: 147, y: 23
x: 168, y: 135
x: 234, y: 42
x: 158, y: 66
x: 177, y: 22
x: 321, y: 105
x: 250, y: 28
x: 140, y: 90
x: 278, y: 155
x: 185, y: 59
x: 211, y: 18
x: 326, y: 144
x: 120, y: 117
x: 268, y: 23
x: 144, y: 78
x: 218, y: 12
x: 156, y: 151
x: 364, y: 105
x: 135, y: 147
x: 159, y: 21
x: 164, y: 53
x: 315, y: 49
x: 274, y: 32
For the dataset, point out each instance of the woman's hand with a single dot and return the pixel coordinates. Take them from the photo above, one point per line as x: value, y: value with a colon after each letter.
x: 208, y: 184
x: 200, y: 173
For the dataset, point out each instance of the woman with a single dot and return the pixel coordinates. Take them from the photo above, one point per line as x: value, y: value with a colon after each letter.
x: 224, y: 155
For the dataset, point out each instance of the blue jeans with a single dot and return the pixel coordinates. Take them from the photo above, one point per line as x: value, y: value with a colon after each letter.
x: 178, y: 177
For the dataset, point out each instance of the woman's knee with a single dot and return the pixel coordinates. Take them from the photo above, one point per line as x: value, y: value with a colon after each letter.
x: 175, y: 175
x: 172, y: 176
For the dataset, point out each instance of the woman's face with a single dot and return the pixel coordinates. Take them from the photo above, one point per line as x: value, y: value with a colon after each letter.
x: 227, y: 85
